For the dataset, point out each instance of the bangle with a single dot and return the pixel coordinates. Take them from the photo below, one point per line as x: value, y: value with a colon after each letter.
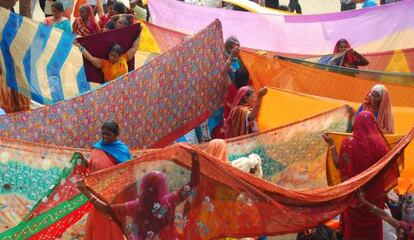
x: 81, y: 49
x: 373, y: 208
x: 92, y: 199
x: 332, y: 147
x: 228, y: 62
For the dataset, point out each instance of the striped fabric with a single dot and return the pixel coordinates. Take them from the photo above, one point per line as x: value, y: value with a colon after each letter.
x: 40, y: 61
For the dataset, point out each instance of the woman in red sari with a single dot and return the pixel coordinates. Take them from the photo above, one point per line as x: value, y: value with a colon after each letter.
x: 357, y: 153
x: 352, y: 59
x: 107, y: 152
x: 152, y: 215
x: 85, y: 24
x: 242, y: 117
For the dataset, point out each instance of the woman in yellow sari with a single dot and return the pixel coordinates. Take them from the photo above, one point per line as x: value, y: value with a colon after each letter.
x: 117, y: 63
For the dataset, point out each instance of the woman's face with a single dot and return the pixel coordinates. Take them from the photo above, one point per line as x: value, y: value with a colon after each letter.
x: 342, y: 47
x: 113, y: 57
x: 375, y: 98
x: 250, y: 100
x: 56, y: 13
x: 83, y: 13
x: 120, y: 23
x: 108, y: 136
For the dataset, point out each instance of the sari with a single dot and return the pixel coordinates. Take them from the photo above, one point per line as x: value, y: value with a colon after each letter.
x: 218, y: 149
x: 81, y: 28
x: 237, y: 123
x: 98, y: 225
x: 152, y: 214
x: 384, y: 116
x: 358, y: 153
x: 350, y: 60
x: 63, y: 24
x: 113, y: 71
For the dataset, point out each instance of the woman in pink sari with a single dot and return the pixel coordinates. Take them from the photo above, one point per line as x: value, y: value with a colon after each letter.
x: 153, y: 213
x: 107, y: 152
x: 357, y: 153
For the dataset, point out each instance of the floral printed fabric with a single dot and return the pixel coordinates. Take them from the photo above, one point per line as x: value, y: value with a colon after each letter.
x: 154, y: 105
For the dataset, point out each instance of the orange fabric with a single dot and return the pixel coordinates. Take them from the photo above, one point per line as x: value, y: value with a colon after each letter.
x: 12, y: 101
x: 258, y: 204
x: 113, y: 71
x: 236, y: 125
x: 270, y: 72
x: 99, y: 226
x: 79, y: 3
x: 218, y: 149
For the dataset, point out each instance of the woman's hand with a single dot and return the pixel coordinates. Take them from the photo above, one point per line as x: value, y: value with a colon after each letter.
x: 83, y: 188
x: 234, y: 52
x: 328, y: 139
x: 262, y: 92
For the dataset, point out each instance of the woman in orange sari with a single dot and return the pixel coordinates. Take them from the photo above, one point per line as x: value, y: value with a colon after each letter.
x: 107, y: 152
x: 117, y: 63
x: 85, y: 24
x: 243, y: 114
x: 358, y: 153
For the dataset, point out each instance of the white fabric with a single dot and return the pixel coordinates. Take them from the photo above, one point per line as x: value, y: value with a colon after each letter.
x: 246, y: 163
x: 93, y: 2
x: 378, y: 88
x: 389, y: 232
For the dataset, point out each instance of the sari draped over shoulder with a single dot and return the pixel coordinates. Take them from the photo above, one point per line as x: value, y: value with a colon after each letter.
x: 237, y: 123
x: 357, y: 154
x: 81, y: 28
x: 99, y: 226
x: 384, y: 116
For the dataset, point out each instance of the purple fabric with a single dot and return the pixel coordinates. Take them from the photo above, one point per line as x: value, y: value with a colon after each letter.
x: 100, y: 44
x: 367, y: 30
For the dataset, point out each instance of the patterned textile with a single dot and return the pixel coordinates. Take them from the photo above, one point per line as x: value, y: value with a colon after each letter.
x: 403, y: 79
x: 257, y: 203
x: 153, y: 105
x: 124, y: 37
x: 293, y: 156
x: 266, y: 71
x: 40, y: 61
x: 305, y: 34
x: 300, y: 106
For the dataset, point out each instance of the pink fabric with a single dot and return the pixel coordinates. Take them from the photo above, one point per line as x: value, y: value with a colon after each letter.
x: 408, y: 229
x: 385, y: 117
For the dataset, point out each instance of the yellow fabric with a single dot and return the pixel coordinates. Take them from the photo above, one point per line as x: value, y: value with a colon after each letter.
x: 147, y: 42
x: 272, y: 72
x: 398, y: 63
x: 281, y: 107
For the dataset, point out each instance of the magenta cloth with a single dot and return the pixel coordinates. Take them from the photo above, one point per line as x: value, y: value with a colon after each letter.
x: 382, y: 28
x: 99, y: 45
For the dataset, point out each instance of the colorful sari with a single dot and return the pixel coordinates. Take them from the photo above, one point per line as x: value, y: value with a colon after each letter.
x: 358, y: 153
x: 63, y: 24
x: 81, y: 28
x: 237, y: 123
x: 384, y: 116
x: 99, y: 226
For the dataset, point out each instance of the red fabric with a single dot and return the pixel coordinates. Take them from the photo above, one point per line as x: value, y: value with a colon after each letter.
x: 358, y: 153
x: 350, y: 59
x: 154, y: 211
x: 103, y: 20
x: 234, y: 123
x: 228, y: 99
x: 124, y: 37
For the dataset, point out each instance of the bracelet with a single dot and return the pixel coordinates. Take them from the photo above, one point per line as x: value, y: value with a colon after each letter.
x: 228, y: 62
x: 332, y: 147
x: 92, y: 199
x: 81, y: 49
x: 373, y: 208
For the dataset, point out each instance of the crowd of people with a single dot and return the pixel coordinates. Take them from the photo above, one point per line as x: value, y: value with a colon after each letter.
x: 367, y: 145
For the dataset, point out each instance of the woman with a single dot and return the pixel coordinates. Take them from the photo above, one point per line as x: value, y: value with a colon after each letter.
x: 232, y: 47
x: 107, y: 152
x: 352, y: 59
x: 218, y: 149
x: 117, y: 63
x: 407, y: 227
x: 118, y: 8
x: 85, y: 24
x: 357, y: 153
x: 243, y: 114
x: 379, y: 104
x: 153, y: 222
x: 57, y: 20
